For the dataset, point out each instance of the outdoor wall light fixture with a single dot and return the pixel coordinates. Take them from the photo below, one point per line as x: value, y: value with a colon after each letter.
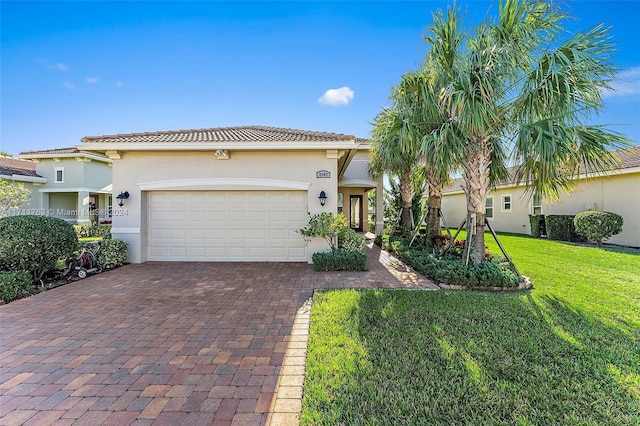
x: 322, y: 198
x: 121, y: 197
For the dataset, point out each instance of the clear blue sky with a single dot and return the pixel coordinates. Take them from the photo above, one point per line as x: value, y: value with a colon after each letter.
x: 74, y: 69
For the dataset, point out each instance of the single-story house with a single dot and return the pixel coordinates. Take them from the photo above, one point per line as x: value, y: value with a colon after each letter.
x: 22, y: 172
x: 68, y: 183
x: 508, y: 208
x: 232, y: 193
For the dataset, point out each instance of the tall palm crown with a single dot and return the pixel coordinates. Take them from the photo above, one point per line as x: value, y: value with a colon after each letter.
x: 514, y: 92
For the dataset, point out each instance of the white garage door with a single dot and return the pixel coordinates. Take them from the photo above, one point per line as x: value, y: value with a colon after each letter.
x: 226, y: 225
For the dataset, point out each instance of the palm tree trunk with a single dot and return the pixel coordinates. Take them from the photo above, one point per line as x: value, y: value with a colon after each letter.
x: 476, y: 184
x: 406, y: 192
x: 435, y: 203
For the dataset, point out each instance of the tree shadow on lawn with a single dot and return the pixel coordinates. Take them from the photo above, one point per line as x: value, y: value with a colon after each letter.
x: 486, y: 358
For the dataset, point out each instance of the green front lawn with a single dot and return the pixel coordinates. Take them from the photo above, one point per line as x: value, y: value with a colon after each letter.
x: 567, y: 352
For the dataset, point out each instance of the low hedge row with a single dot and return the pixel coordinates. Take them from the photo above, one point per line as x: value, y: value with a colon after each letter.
x: 93, y: 230
x: 557, y: 227
x: 15, y: 284
x: 34, y: 243
x: 113, y: 252
x: 350, y: 240
x: 450, y: 269
x: 339, y: 260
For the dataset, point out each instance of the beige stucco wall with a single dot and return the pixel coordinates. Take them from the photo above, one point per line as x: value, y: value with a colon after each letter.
x: 454, y: 209
x: 141, y: 172
x: 617, y: 193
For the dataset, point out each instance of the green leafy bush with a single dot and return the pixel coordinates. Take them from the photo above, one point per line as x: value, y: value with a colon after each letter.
x: 449, y: 269
x: 113, y: 252
x: 34, y: 243
x: 538, y: 228
x: 325, y: 225
x: 598, y: 226
x: 560, y: 228
x: 93, y: 230
x: 350, y: 240
x: 339, y: 260
x: 15, y: 284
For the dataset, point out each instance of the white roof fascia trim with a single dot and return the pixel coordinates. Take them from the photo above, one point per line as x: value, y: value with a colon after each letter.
x: 67, y: 155
x: 99, y: 191
x: 224, y: 184
x: 22, y: 178
x: 212, y: 146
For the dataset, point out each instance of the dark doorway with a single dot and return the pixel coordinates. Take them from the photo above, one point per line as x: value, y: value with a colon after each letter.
x: 355, y: 212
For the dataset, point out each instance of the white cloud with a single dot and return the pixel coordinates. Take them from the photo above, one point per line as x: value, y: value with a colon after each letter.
x: 60, y: 67
x: 92, y: 80
x: 337, y: 97
x: 118, y: 84
x: 69, y: 85
x: 627, y: 83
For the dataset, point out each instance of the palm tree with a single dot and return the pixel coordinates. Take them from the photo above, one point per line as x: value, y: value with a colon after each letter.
x: 515, y: 93
x: 394, y: 149
x: 399, y: 136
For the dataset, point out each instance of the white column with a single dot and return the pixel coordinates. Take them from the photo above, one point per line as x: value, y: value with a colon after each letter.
x: 380, y: 206
x: 83, y: 207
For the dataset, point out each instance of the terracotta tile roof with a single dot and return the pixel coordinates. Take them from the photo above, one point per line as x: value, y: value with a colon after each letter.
x: 15, y: 166
x: 71, y: 150
x: 629, y: 158
x: 224, y: 134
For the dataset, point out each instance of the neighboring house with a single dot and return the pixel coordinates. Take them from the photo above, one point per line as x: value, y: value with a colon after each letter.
x: 73, y: 185
x: 22, y: 172
x: 234, y: 193
x: 508, y: 208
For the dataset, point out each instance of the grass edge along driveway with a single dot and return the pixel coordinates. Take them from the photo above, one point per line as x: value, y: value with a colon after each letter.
x: 567, y: 352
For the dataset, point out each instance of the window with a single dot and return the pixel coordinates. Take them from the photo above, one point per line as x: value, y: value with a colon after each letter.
x: 537, y: 205
x: 340, y: 202
x: 488, y: 211
x: 59, y: 175
x: 110, y: 206
x: 506, y: 203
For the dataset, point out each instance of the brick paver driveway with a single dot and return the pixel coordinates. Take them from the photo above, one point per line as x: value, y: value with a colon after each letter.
x: 162, y: 343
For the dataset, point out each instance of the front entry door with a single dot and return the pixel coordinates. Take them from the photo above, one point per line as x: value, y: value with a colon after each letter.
x: 355, y: 212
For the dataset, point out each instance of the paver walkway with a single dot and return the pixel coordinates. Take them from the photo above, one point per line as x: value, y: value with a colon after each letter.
x: 166, y: 343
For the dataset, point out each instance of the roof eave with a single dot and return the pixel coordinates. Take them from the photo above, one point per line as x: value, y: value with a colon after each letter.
x: 88, y: 155
x: 23, y: 178
x: 208, y: 146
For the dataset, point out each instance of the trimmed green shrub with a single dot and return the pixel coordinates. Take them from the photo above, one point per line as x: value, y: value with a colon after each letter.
x: 560, y: 228
x: 339, y: 260
x: 113, y: 252
x: 538, y: 228
x: 35, y: 243
x: 15, y: 284
x: 598, y: 226
x: 93, y: 230
x: 350, y: 240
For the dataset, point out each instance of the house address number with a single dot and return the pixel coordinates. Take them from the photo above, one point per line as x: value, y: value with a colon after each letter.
x: 323, y: 174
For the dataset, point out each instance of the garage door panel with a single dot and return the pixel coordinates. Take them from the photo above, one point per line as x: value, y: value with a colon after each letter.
x: 226, y: 225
